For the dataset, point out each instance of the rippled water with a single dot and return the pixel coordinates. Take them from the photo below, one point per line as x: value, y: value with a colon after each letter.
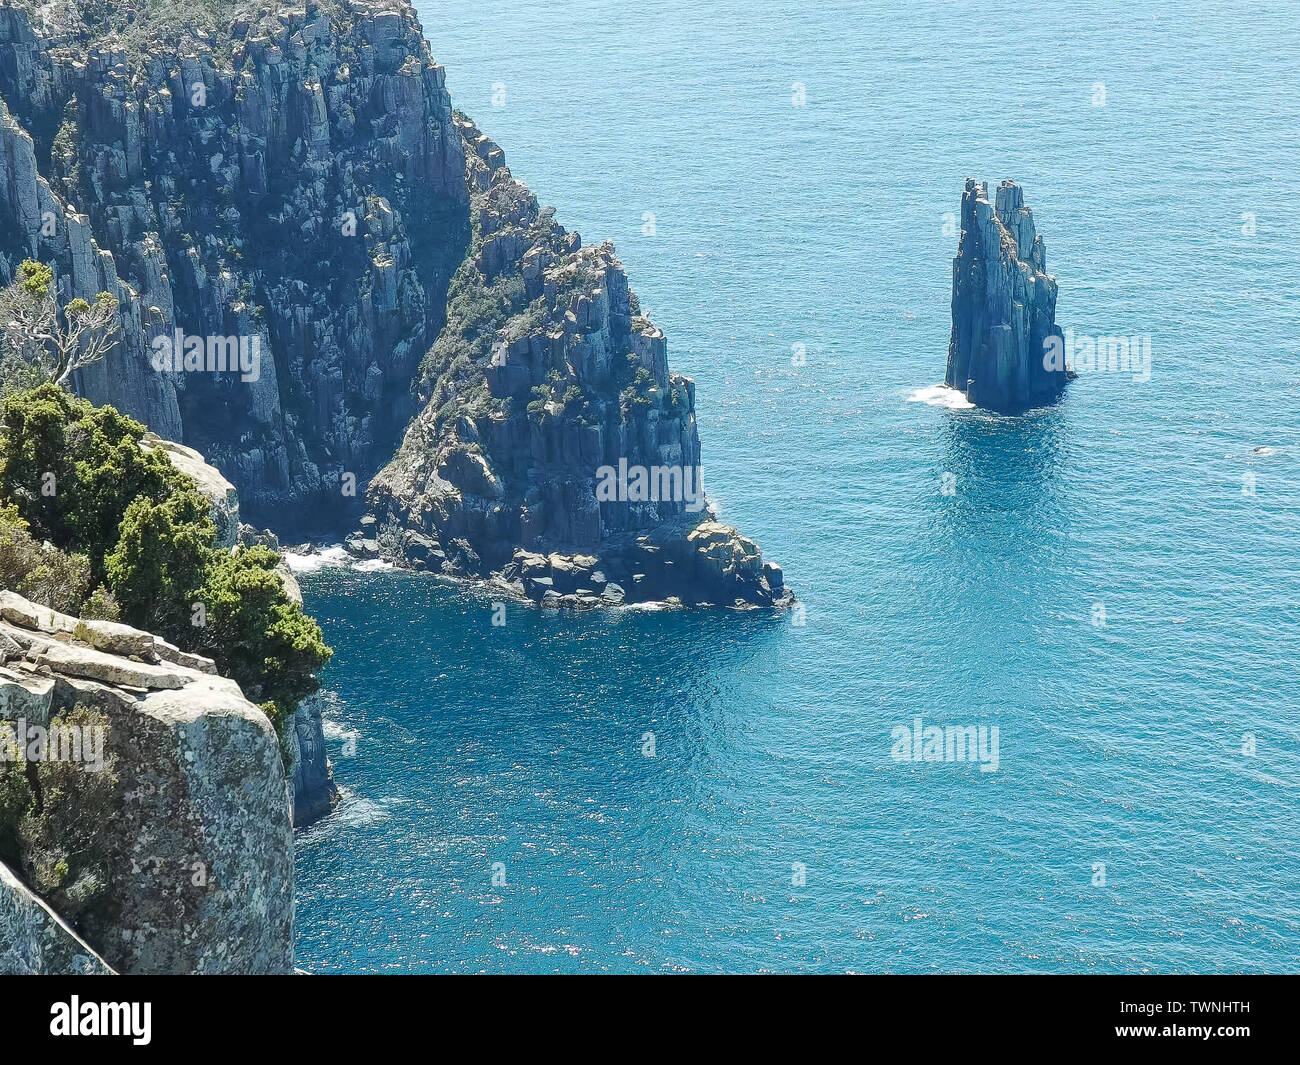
x: 823, y: 225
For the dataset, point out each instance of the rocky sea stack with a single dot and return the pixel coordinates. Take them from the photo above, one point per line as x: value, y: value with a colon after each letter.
x: 436, y: 352
x: 1003, y: 305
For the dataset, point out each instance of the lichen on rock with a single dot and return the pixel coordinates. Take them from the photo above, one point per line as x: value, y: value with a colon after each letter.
x: 184, y: 850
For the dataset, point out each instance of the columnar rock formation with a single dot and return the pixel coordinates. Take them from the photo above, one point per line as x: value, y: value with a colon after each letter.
x: 1003, y: 305
x: 297, y: 176
x: 190, y: 861
x: 291, y: 176
x: 499, y: 472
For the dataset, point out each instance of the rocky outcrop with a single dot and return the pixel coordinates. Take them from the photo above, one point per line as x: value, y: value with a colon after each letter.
x: 36, y: 941
x: 196, y: 871
x: 219, y: 492
x: 1003, y: 305
x: 311, y: 777
x: 296, y: 177
x: 523, y: 462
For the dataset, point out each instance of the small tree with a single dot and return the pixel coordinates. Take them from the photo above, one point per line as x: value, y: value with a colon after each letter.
x: 43, y: 344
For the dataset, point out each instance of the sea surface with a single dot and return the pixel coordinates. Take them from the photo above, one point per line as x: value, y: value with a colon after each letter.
x: 1113, y: 582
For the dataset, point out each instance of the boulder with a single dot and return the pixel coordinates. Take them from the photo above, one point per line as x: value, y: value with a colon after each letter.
x: 219, y: 492
x: 199, y: 865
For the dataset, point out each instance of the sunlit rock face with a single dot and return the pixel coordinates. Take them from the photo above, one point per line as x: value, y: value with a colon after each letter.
x: 431, y: 345
x: 1003, y: 305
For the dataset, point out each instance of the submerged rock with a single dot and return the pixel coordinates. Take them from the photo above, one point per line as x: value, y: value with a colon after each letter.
x: 1003, y: 305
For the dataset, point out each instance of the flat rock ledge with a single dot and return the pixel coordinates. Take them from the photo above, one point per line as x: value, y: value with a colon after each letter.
x: 200, y: 865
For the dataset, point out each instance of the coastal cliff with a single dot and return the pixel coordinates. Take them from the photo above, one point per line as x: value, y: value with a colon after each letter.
x: 291, y: 176
x: 166, y: 842
x: 434, y: 348
x: 1003, y: 305
x: 544, y: 382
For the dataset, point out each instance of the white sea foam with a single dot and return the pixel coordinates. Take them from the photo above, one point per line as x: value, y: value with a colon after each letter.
x: 372, y: 565
x: 941, y: 396
x: 326, y: 558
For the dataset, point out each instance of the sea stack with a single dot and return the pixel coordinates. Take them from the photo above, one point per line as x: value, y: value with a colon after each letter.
x: 1003, y: 305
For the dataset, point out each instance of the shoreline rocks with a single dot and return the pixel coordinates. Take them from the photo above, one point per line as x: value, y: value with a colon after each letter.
x: 1003, y: 305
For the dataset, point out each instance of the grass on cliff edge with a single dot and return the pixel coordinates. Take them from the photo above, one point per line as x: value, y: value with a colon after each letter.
x: 93, y: 526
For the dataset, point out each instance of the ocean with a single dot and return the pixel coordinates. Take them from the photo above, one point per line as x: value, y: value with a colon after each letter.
x: 1112, y: 583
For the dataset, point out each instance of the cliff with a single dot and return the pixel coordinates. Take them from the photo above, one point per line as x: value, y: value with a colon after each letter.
x: 545, y: 374
x: 427, y: 333
x: 167, y: 835
x: 1003, y: 305
x: 311, y: 778
x: 292, y: 177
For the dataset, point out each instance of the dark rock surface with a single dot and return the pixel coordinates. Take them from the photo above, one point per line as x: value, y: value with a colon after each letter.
x: 310, y: 198
x: 1003, y: 305
x: 297, y: 175
x: 500, y: 468
x: 311, y: 778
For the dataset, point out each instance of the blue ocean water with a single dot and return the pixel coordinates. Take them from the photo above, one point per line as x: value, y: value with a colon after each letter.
x: 1145, y: 813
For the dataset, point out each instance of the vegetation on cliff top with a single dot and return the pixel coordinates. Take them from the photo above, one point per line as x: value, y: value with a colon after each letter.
x: 90, y: 524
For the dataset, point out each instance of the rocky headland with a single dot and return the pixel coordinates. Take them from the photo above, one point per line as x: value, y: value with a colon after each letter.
x: 1003, y: 305
x: 436, y: 351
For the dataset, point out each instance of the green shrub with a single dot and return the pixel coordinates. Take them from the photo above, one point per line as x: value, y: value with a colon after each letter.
x: 57, y: 820
x: 42, y: 574
x: 129, y: 524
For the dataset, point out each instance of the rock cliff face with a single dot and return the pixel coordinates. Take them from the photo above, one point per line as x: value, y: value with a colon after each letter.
x: 292, y: 177
x: 545, y: 374
x: 192, y: 848
x: 297, y: 177
x: 1003, y: 305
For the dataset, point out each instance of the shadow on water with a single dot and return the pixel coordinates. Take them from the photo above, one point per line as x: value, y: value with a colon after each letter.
x: 1003, y: 464
x: 994, y: 539
x: 416, y: 656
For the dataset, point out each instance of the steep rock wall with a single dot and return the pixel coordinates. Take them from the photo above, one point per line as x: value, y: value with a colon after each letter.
x: 1003, y: 304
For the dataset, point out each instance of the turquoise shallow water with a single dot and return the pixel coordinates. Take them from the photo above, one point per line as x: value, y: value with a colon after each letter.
x: 823, y: 225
